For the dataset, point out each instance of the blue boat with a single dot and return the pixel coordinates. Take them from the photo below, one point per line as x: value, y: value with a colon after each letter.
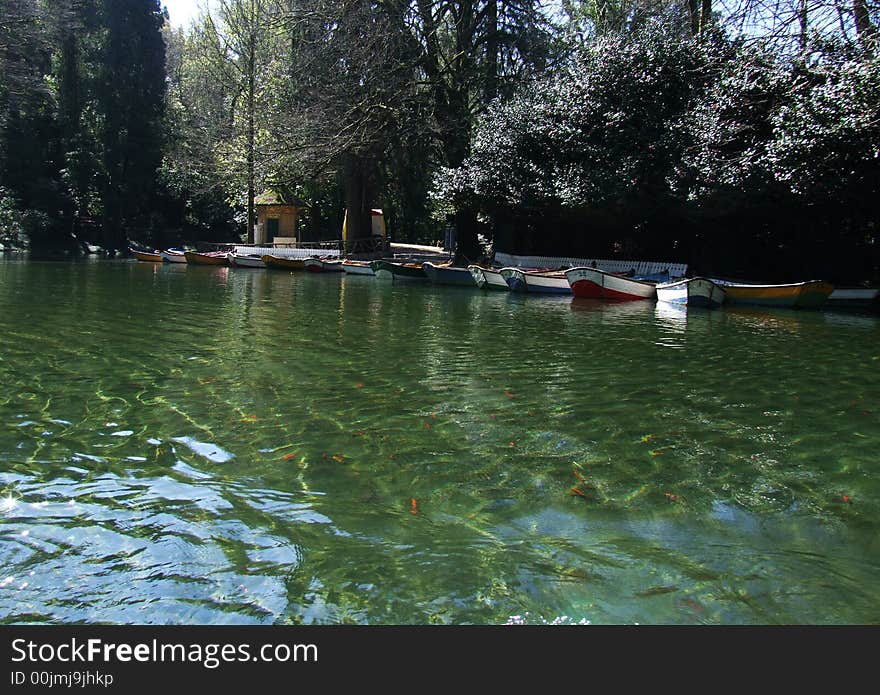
x: 448, y: 275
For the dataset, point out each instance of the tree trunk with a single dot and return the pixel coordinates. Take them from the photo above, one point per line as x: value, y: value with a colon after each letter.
x: 491, y: 87
x: 250, y: 138
x: 358, y: 222
x: 705, y: 15
x: 694, y: 14
x: 803, y: 21
x: 865, y: 30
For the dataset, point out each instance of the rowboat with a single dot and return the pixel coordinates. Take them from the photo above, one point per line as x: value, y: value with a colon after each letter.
x: 598, y: 284
x: 692, y: 292
x: 399, y: 272
x: 244, y: 261
x: 854, y: 298
x: 516, y: 277
x: 323, y: 265
x: 796, y: 295
x: 149, y: 256
x: 353, y: 267
x: 280, y: 263
x: 553, y: 282
x: 173, y: 255
x: 448, y: 275
x: 208, y: 258
x: 488, y: 278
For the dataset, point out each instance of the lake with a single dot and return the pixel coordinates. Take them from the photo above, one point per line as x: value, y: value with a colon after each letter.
x: 198, y: 445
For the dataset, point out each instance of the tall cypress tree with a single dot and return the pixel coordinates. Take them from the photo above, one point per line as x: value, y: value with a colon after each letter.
x: 130, y: 95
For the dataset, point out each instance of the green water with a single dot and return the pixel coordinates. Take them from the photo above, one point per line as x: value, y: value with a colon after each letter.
x: 215, y: 445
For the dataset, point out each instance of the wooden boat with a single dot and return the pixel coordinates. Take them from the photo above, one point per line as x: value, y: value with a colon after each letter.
x: 148, y: 256
x: 553, y: 282
x: 488, y: 278
x: 323, y: 265
x: 399, y: 272
x: 598, y: 284
x: 281, y: 263
x: 855, y: 298
x: 516, y: 277
x: 448, y: 275
x: 353, y: 267
x: 244, y: 261
x: 208, y: 258
x: 796, y: 295
x: 173, y: 255
x: 692, y: 292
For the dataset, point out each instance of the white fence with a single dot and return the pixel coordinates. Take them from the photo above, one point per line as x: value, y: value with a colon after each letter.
x: 609, y: 266
x: 284, y: 251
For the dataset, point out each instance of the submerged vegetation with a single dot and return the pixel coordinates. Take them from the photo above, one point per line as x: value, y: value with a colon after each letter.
x: 734, y: 138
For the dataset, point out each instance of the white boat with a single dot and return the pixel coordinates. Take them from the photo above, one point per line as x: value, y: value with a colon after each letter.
x: 245, y: 261
x: 488, y: 278
x: 323, y: 265
x: 597, y: 284
x: 353, y: 267
x: 553, y: 282
x: 173, y: 255
x: 855, y: 298
x: 692, y: 292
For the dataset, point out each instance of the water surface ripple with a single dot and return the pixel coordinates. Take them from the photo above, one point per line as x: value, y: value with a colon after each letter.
x: 215, y: 445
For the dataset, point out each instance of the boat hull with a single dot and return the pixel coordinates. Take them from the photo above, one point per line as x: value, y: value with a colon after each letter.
x: 357, y: 267
x: 448, y: 275
x: 547, y: 283
x: 597, y: 284
x: 246, y: 261
x: 279, y: 263
x: 855, y: 298
x: 322, y: 265
x: 515, y: 279
x: 173, y: 256
x: 399, y: 272
x: 205, y: 259
x: 698, y: 292
x: 488, y: 278
x: 146, y: 256
x: 799, y: 295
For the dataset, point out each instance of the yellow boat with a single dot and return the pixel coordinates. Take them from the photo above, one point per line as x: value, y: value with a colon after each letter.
x: 796, y: 295
x: 149, y: 256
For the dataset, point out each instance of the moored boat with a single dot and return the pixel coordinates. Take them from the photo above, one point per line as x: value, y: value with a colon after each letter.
x: 692, y: 292
x: 173, y: 255
x: 795, y: 295
x: 281, y: 263
x: 148, y: 256
x: 488, y: 278
x: 399, y: 272
x: 553, y: 282
x: 516, y: 277
x: 207, y: 258
x: 243, y: 261
x: 854, y: 298
x: 353, y: 267
x: 448, y: 275
x: 323, y: 265
x: 598, y: 284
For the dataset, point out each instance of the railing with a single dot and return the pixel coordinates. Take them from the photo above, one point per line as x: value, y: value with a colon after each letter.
x: 609, y: 266
x: 302, y: 249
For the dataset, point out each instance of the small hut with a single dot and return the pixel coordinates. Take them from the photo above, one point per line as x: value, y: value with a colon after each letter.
x: 277, y: 214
